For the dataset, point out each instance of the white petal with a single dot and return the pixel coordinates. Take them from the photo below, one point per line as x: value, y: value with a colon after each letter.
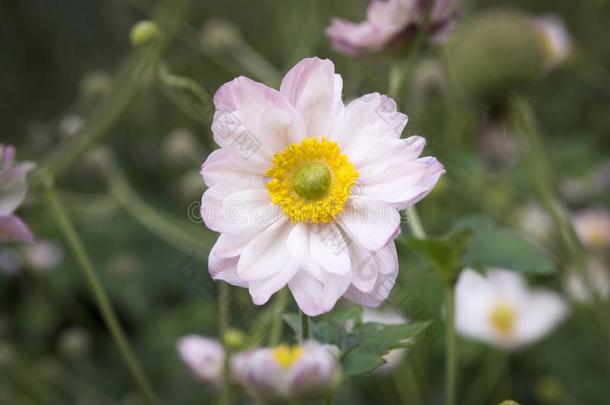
x: 261, y: 290
x: 371, y: 223
x: 538, y: 315
x: 401, y: 184
x: 13, y: 187
x: 220, y: 167
x: 473, y: 300
x: 267, y: 254
x: 314, y: 297
x: 387, y: 267
x: 315, y: 90
x: 372, y: 115
x: 225, y: 269
x: 253, y: 121
x: 225, y: 210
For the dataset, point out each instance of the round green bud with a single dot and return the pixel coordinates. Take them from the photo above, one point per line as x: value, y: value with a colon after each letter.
x: 143, y: 32
x: 493, y: 54
x: 234, y: 339
x: 312, y: 180
x: 508, y: 402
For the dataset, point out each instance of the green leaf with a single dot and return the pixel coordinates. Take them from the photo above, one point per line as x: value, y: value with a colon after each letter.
x: 505, y: 248
x: 362, y: 345
x: 444, y: 253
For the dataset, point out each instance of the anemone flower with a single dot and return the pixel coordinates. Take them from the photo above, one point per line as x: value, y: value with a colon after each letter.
x: 13, y: 188
x: 501, y: 310
x: 389, y: 24
x: 304, y: 372
x: 306, y: 191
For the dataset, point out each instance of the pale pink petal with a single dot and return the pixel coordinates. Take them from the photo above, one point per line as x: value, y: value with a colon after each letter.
x: 220, y: 167
x: 252, y: 122
x: 373, y: 115
x: 386, y: 262
x: 316, y: 297
x: 401, y: 184
x: 371, y: 223
x: 267, y: 254
x: 13, y: 229
x: 299, y: 247
x: 315, y: 90
x: 223, y: 209
x: 225, y: 269
x: 261, y: 290
x: 13, y: 187
x: 204, y: 357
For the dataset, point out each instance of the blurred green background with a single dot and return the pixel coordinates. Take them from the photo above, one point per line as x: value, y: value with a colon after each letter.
x: 58, y: 61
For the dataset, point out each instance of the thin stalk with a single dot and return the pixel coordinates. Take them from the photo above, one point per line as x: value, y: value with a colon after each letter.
x: 163, y: 225
x: 304, y: 327
x: 224, y: 314
x: 451, y: 352
x: 128, y: 84
x: 491, y: 370
x: 277, y: 324
x: 97, y: 290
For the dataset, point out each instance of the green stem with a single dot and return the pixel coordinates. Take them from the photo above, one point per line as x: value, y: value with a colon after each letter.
x: 97, y: 289
x: 132, y: 78
x: 277, y: 324
x: 415, y: 223
x: 164, y: 226
x: 224, y: 313
x: 304, y: 327
x: 451, y: 352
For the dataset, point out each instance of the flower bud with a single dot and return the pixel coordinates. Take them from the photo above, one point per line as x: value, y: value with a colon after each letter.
x: 306, y: 372
x: 234, y: 339
x: 495, y: 53
x: 143, y: 32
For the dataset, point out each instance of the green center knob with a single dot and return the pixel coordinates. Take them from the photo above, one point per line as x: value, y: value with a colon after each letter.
x: 312, y: 180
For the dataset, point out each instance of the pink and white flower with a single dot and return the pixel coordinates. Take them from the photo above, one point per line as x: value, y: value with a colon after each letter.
x: 204, y: 356
x: 593, y: 227
x: 13, y: 188
x: 306, y: 191
x: 304, y: 372
x: 390, y: 23
x: 500, y: 309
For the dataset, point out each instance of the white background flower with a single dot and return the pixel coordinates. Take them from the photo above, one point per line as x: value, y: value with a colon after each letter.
x: 501, y: 310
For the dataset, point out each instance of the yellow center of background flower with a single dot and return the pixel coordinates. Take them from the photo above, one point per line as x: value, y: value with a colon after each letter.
x: 286, y: 356
x: 503, y: 318
x: 311, y: 181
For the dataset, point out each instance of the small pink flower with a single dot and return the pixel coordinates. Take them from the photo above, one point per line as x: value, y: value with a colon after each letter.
x: 390, y: 23
x: 593, y: 227
x: 204, y: 357
x: 306, y: 191
x: 13, y: 188
x: 305, y: 372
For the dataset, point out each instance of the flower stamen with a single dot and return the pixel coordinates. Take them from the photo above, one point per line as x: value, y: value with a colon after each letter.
x: 311, y: 181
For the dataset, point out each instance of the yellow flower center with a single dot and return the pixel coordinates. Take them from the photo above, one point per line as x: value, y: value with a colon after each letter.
x: 503, y: 318
x: 311, y: 181
x: 286, y: 356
